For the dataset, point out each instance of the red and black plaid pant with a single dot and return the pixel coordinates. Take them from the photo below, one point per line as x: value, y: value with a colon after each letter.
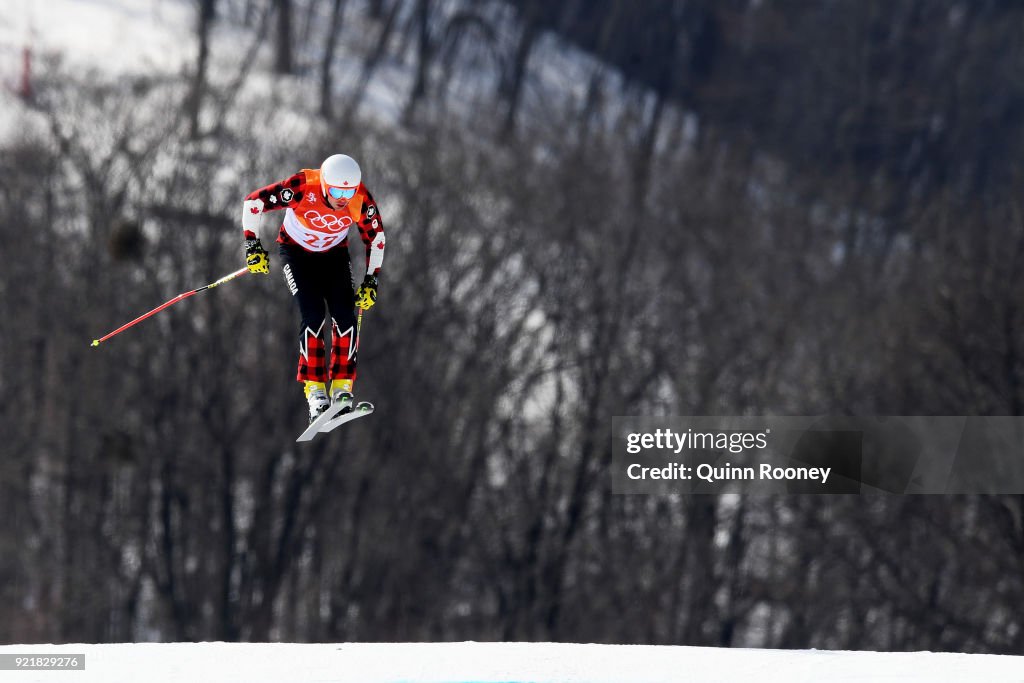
x: 316, y: 279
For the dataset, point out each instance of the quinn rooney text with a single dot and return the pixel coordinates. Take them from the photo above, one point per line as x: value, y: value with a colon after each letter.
x: 727, y: 472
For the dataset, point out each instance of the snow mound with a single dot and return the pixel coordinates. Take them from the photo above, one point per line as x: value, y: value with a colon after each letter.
x: 521, y: 662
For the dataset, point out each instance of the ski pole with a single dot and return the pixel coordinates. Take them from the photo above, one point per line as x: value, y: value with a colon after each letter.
x: 180, y: 297
x: 359, y: 327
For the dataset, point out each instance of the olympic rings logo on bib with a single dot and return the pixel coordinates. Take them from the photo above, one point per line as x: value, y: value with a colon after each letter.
x: 326, y: 222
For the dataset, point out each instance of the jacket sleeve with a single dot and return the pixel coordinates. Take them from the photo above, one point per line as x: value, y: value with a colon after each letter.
x: 371, y: 230
x: 270, y: 198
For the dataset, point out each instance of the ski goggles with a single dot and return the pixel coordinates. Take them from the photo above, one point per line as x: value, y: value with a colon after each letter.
x: 342, y: 192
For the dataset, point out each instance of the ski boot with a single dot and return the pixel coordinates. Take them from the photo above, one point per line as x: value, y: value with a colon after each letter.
x: 341, y: 392
x: 316, y: 396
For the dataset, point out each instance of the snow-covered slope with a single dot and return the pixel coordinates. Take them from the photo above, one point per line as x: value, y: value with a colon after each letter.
x: 117, y: 38
x: 112, y: 36
x: 534, y: 662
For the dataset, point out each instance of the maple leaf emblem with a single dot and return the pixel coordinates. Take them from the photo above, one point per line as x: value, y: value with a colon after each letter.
x: 254, y: 210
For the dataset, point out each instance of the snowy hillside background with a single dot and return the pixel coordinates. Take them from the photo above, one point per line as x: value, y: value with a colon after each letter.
x: 593, y: 209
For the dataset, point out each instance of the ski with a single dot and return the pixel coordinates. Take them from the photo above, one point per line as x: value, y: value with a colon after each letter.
x: 362, y: 409
x: 316, y: 425
x: 331, y: 418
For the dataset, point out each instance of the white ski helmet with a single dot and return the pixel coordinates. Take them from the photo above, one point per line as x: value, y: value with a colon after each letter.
x: 339, y: 170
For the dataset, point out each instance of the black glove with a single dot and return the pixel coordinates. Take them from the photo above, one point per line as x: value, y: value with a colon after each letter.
x: 366, y: 295
x: 256, y: 257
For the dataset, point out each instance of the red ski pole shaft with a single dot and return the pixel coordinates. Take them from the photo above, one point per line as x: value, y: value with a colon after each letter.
x: 166, y: 304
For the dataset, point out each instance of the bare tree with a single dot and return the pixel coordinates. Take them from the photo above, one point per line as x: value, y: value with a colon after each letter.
x: 206, y: 12
x: 327, y: 62
x: 284, y: 60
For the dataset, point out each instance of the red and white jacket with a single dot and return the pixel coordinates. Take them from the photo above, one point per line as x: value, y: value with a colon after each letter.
x: 313, y: 225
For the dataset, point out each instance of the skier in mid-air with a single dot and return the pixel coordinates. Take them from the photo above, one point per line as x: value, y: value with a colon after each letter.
x: 320, y: 207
